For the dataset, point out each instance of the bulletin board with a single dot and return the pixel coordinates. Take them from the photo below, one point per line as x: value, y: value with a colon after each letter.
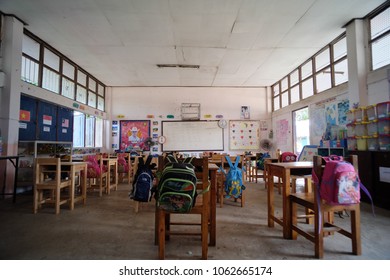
x: 244, y: 135
x: 192, y: 136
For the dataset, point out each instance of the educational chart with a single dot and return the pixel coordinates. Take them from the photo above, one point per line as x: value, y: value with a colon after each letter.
x: 244, y: 135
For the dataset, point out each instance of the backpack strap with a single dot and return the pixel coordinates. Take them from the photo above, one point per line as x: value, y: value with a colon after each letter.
x: 188, y: 159
x: 148, y: 160
x: 237, y: 161
x: 229, y: 161
x: 172, y: 159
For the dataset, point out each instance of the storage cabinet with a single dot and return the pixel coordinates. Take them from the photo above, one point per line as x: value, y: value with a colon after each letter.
x: 373, y: 167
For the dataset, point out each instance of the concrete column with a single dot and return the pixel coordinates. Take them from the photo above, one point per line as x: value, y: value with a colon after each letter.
x: 357, y: 63
x: 10, y: 67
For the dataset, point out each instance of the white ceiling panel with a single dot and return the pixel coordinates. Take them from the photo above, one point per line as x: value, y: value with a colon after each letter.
x: 234, y: 42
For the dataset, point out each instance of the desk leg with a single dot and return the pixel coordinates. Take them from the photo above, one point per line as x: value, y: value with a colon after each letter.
x: 286, y: 205
x: 108, y: 183
x: 270, y: 197
x: 84, y: 185
x: 213, y: 207
x: 72, y: 187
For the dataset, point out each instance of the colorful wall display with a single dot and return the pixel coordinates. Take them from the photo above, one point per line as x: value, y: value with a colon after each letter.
x: 244, y: 135
x: 133, y: 135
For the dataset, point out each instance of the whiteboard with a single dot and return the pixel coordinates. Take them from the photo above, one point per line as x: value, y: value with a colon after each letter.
x: 192, y: 136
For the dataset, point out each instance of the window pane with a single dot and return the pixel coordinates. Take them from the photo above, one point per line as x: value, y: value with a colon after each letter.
x: 92, y: 99
x: 284, y: 84
x: 78, y: 129
x: 51, y: 59
x: 294, y: 78
x: 380, y: 23
x: 81, y: 95
x: 30, y: 47
x: 30, y: 70
x: 275, y: 89
x: 322, y: 59
x: 90, y: 131
x: 284, y: 99
x: 276, y: 103
x: 295, y: 94
x: 92, y: 84
x: 307, y: 88
x: 340, y: 49
x: 341, y: 72
x: 50, y: 80
x: 101, y: 90
x: 99, y: 133
x: 100, y: 104
x: 67, y: 88
x: 323, y: 80
x: 307, y: 69
x: 68, y: 70
x: 380, y: 52
x: 81, y: 78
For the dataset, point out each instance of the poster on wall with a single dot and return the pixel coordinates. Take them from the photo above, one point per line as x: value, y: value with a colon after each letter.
x: 133, y: 135
x: 282, y: 132
x: 244, y: 135
x: 342, y: 109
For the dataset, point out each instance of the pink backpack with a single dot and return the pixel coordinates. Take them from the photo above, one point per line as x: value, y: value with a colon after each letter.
x: 340, y: 182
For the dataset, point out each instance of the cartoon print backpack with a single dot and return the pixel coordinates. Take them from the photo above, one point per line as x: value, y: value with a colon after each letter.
x: 340, y: 182
x: 233, y: 183
x: 177, y: 186
x: 260, y: 162
x: 143, y: 181
x: 288, y: 157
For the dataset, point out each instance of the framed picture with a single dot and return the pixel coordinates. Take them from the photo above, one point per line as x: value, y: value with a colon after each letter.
x: 245, y: 112
x: 133, y: 135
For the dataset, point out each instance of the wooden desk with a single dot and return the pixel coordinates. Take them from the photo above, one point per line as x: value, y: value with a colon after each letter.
x: 15, y: 162
x: 283, y: 170
x: 77, y: 169
x: 112, y: 168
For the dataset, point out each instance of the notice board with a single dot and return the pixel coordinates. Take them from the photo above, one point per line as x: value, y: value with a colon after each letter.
x: 192, y: 136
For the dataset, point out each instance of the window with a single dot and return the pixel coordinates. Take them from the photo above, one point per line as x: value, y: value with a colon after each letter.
x: 380, y: 39
x: 330, y: 69
x: 78, y: 129
x: 99, y: 133
x: 90, y: 131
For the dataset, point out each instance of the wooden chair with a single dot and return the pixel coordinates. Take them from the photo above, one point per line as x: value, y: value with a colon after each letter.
x: 96, y: 174
x: 49, y: 184
x: 221, y: 191
x: 321, y: 227
x: 164, y: 224
x: 255, y: 172
x: 125, y: 167
x: 217, y: 158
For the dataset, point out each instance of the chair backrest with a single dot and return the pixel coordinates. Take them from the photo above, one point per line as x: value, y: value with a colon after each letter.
x: 47, y: 165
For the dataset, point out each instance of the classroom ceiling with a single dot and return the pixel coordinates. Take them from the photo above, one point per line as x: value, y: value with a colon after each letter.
x: 210, y: 43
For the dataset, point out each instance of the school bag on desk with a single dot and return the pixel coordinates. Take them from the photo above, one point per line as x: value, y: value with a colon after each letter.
x: 233, y: 182
x: 143, y: 181
x: 176, y: 191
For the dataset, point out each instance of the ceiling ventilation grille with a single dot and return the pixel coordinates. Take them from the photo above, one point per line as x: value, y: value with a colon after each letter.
x: 188, y: 66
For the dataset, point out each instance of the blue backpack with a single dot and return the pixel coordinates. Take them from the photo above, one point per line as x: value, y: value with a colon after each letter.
x: 233, y: 183
x: 143, y: 181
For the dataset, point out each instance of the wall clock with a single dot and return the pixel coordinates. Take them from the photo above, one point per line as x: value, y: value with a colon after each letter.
x: 222, y: 123
x: 161, y: 139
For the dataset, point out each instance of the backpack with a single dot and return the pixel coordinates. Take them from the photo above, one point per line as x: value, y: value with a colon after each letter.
x: 340, y: 182
x: 288, y: 157
x: 260, y: 162
x: 177, y: 186
x: 233, y: 182
x: 143, y: 181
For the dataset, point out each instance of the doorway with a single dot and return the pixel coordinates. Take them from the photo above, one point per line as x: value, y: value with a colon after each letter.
x: 301, y: 129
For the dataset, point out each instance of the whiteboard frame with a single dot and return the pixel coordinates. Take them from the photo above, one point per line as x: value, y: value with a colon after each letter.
x: 218, y: 146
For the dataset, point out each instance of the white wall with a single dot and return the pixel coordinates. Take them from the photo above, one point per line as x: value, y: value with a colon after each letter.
x: 136, y: 103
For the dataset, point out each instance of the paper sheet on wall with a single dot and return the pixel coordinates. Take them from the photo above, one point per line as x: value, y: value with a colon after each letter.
x: 384, y: 174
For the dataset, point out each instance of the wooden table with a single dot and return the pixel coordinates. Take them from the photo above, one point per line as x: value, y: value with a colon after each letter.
x: 77, y: 169
x: 112, y: 168
x: 15, y: 162
x: 283, y: 170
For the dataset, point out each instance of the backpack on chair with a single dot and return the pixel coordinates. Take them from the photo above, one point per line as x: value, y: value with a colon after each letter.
x: 177, y: 186
x: 340, y: 182
x: 233, y: 183
x: 143, y: 181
